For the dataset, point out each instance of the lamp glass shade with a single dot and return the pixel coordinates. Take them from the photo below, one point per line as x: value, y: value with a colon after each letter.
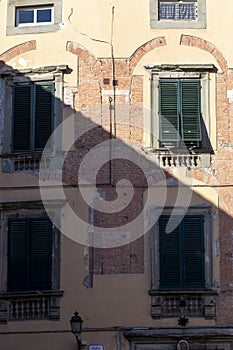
x: 76, y: 324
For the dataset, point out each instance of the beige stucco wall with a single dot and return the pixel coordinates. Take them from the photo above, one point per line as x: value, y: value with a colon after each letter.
x: 115, y: 300
x: 131, y: 28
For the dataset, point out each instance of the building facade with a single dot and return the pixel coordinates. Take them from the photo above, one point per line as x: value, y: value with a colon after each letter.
x: 115, y: 191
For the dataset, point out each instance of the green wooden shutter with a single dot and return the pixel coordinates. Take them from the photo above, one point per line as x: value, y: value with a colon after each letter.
x: 168, y: 111
x: 190, y: 110
x: 170, y: 276
x: 21, y: 117
x: 18, y: 240
x: 41, y: 252
x: 44, y: 111
x: 193, y: 252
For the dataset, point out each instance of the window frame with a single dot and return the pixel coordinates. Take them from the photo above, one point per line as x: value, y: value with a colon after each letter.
x: 56, y: 77
x: 35, y: 11
x: 14, y: 29
x: 34, y: 210
x: 155, y: 22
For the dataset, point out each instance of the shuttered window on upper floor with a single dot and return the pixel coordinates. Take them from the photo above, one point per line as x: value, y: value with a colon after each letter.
x: 179, y: 111
x: 33, y: 113
x: 182, y: 253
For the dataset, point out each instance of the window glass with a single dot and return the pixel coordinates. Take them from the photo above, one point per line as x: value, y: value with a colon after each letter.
x: 187, y: 11
x: 34, y: 16
x: 177, y: 11
x: 44, y: 15
x: 25, y: 16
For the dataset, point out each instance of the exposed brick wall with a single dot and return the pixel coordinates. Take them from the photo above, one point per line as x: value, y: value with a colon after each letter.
x: 122, y: 260
x: 224, y: 310
x: 144, y: 49
x: 95, y: 88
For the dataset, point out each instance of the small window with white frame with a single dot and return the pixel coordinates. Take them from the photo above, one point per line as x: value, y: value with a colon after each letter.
x: 178, y: 14
x: 34, y: 16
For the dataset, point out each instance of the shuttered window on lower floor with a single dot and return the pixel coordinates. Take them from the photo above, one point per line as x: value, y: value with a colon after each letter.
x: 29, y: 254
x: 182, y: 253
x: 180, y: 112
x: 33, y: 113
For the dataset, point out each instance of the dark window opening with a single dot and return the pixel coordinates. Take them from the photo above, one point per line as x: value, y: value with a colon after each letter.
x: 29, y: 254
x: 180, y: 113
x: 33, y: 112
x: 182, y: 253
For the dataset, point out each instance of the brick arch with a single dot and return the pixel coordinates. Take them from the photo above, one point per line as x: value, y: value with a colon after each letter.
x: 205, y: 45
x: 16, y: 51
x: 144, y: 49
x: 85, y: 55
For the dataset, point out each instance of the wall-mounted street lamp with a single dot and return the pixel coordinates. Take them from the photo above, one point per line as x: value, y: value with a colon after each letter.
x: 76, y: 328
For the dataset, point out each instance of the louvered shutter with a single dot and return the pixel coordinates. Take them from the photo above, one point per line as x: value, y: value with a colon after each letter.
x: 170, y: 276
x: 44, y: 95
x: 21, y: 117
x: 41, y: 251
x: 190, y: 110
x: 18, y: 260
x: 168, y: 111
x: 193, y: 252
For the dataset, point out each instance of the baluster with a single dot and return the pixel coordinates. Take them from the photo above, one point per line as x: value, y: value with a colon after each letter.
x: 177, y: 312
x: 198, y: 306
x: 23, y: 309
x: 43, y: 307
x: 166, y: 306
x: 38, y: 308
x: 37, y: 164
x: 47, y: 307
x: 170, y: 302
x: 12, y: 310
x: 17, y: 309
x: 27, y: 309
x: 172, y: 306
x: 190, y: 306
x: 33, y: 308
